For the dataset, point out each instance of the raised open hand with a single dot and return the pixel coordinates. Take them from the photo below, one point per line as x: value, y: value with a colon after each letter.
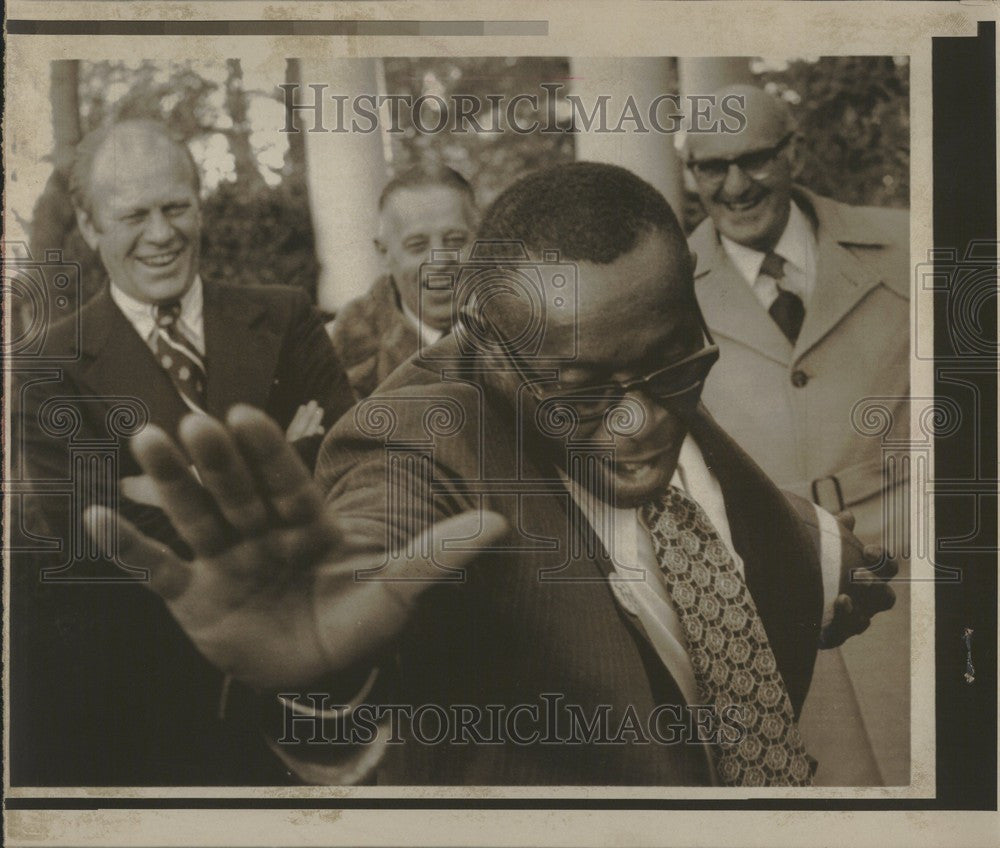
x: 272, y: 595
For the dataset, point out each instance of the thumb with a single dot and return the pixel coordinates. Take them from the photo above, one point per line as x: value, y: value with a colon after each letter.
x: 443, y: 551
x: 354, y: 622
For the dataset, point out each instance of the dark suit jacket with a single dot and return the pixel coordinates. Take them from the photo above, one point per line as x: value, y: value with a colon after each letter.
x: 107, y: 689
x: 537, y: 615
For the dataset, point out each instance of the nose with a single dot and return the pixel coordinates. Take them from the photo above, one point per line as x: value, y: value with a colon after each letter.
x: 158, y: 228
x: 639, y: 415
x: 735, y: 183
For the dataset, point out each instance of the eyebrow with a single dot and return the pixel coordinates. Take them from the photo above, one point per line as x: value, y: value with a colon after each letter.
x: 761, y: 149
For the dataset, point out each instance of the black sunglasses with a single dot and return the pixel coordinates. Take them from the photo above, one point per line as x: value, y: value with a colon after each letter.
x: 756, y: 163
x: 678, y: 380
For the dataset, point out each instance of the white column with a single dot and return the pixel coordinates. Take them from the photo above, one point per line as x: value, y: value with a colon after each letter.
x: 651, y: 155
x: 345, y: 173
x: 703, y: 76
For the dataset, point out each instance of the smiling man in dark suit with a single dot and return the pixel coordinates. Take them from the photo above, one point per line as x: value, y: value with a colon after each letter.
x: 157, y: 343
x: 521, y: 533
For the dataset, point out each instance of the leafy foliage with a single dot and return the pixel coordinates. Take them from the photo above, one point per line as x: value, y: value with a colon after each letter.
x: 262, y: 237
x: 853, y: 113
x: 491, y: 160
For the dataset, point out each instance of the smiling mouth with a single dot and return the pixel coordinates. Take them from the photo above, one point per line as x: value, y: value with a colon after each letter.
x: 160, y: 260
x: 637, y: 465
x: 744, y: 205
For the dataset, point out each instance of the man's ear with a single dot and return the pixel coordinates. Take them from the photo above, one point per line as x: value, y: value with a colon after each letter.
x: 87, y: 228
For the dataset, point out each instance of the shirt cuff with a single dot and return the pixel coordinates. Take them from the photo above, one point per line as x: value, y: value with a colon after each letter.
x: 830, y: 555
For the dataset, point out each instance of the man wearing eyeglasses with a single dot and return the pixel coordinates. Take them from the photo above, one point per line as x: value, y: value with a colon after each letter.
x: 809, y: 301
x: 534, y: 549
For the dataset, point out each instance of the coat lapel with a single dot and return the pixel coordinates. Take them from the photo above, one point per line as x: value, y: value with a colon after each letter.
x: 842, y: 280
x: 241, y: 350
x: 118, y: 363
x: 728, y: 303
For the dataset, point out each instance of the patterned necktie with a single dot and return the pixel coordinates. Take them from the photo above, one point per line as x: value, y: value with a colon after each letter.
x: 787, y: 310
x: 179, y: 357
x: 730, y: 653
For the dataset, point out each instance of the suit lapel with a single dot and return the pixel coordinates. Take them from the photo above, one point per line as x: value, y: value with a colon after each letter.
x: 729, y: 304
x: 781, y: 566
x: 241, y: 350
x: 118, y: 363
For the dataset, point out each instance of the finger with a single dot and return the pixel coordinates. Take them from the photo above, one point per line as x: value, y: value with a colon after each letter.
x: 846, y: 518
x: 879, y: 597
x: 286, y: 484
x: 879, y: 563
x: 188, y: 506
x: 382, y: 598
x: 141, y: 489
x: 224, y: 474
x: 169, y: 576
x: 844, y: 606
x: 297, y: 427
x: 836, y: 632
x: 300, y: 415
x: 854, y: 618
x: 316, y: 423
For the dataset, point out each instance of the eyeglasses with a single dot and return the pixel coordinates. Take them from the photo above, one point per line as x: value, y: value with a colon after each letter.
x: 681, y: 380
x: 756, y: 164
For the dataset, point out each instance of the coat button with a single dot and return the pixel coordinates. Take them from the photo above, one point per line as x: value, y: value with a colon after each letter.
x: 799, y: 379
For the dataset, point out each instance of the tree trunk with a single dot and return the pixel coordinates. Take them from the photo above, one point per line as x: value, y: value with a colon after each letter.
x: 52, y: 217
x: 295, y: 157
x: 247, y: 172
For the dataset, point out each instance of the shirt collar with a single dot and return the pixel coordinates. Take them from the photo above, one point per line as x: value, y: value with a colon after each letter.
x: 142, y: 315
x: 429, y: 334
x: 796, y: 246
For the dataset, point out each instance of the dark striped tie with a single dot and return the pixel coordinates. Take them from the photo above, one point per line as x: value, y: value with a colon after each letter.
x: 787, y: 310
x: 732, y: 658
x: 179, y: 357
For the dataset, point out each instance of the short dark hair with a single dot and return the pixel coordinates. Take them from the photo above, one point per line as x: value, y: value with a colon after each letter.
x: 426, y: 174
x: 92, y: 143
x: 588, y: 211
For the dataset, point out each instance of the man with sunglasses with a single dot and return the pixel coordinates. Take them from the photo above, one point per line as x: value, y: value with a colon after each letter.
x: 809, y: 301
x: 534, y: 549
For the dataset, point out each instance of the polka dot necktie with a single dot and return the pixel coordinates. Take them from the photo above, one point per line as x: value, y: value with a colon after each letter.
x: 787, y: 311
x: 732, y: 659
x: 179, y: 357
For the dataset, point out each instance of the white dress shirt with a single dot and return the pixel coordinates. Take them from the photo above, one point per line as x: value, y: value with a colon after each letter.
x: 429, y: 335
x: 797, y: 246
x: 142, y: 315
x: 631, y: 551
